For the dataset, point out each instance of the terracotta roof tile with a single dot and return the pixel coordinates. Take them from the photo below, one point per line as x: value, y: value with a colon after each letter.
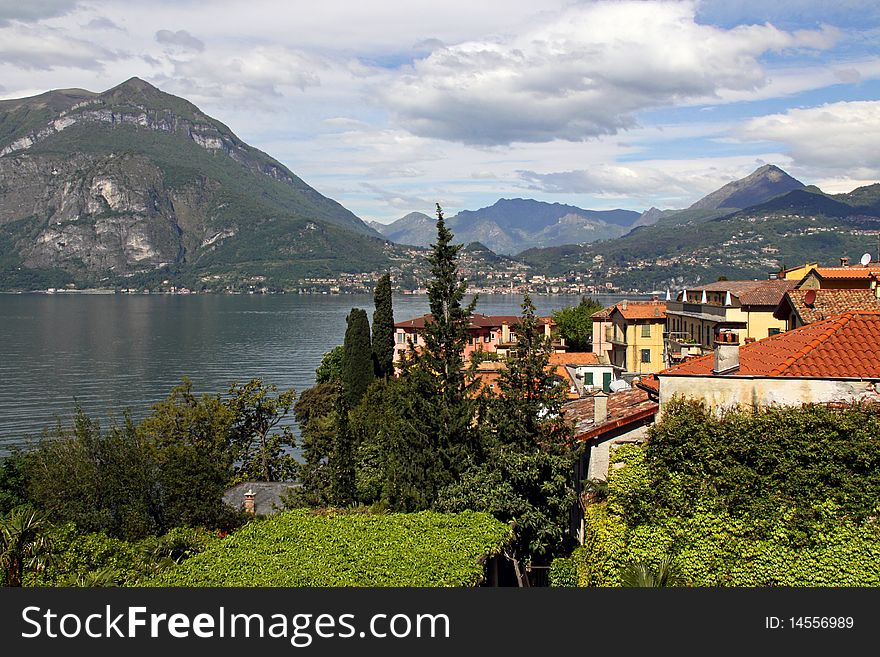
x: 829, y: 302
x: 751, y: 293
x: 842, y: 346
x: 854, y: 273
x: 625, y: 407
x: 641, y: 310
x: 478, y: 320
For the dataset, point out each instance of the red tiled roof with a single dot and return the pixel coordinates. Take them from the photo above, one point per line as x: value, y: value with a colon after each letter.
x: 605, y: 313
x: 649, y: 383
x: 769, y: 293
x: 575, y: 358
x: 827, y: 302
x: 624, y: 408
x: 854, y: 273
x: 842, y: 346
x: 478, y: 320
x: 641, y: 310
x: 751, y: 293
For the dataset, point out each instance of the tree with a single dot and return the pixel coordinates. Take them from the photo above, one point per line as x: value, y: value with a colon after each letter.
x: 191, y: 440
x: 575, y: 324
x: 24, y: 544
x: 343, y: 486
x: 383, y: 329
x: 438, y: 371
x: 315, y: 413
x: 357, y: 364
x: 99, y: 480
x: 260, y: 440
x: 526, y: 476
x: 330, y: 369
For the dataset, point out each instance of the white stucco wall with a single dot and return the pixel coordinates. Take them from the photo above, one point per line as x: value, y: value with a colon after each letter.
x: 600, y: 454
x: 725, y: 392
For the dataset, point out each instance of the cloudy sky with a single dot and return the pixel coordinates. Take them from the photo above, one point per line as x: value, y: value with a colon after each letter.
x: 391, y: 106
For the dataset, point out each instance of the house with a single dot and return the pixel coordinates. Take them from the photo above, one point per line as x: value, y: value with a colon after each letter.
x: 805, y: 306
x: 602, y: 420
x: 587, y: 371
x: 602, y: 331
x: 699, y: 314
x: 836, y: 359
x: 494, y: 334
x: 637, y: 336
x: 259, y: 497
x: 795, y: 273
x: 842, y: 278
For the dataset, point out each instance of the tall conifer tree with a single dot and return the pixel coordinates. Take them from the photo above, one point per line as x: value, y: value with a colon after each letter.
x: 357, y: 366
x: 383, y: 329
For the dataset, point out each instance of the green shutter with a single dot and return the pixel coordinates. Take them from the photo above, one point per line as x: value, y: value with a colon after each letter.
x: 588, y: 379
x: 606, y: 381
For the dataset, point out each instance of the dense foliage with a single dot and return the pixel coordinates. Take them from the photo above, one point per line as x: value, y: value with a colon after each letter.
x: 383, y: 328
x: 575, y: 324
x: 776, y: 497
x: 302, y: 548
x: 330, y: 369
x: 357, y: 362
x: 526, y: 475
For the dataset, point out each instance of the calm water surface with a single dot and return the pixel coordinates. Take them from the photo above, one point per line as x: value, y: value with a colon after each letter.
x: 110, y: 353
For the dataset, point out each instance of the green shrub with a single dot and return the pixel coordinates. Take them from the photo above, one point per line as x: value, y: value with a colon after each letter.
x: 303, y: 548
x: 563, y: 573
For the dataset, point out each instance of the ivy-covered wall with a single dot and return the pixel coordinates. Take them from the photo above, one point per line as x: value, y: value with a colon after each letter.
x: 777, y: 497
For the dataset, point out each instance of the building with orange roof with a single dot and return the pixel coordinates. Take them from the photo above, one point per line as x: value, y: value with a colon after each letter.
x: 587, y: 371
x: 699, y: 314
x: 637, y: 335
x: 493, y: 334
x: 833, y: 360
x: 804, y: 306
x: 858, y: 277
x: 602, y: 331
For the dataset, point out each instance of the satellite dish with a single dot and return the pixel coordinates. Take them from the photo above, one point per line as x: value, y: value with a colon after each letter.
x: 810, y: 298
x: 866, y: 259
x: 618, y: 385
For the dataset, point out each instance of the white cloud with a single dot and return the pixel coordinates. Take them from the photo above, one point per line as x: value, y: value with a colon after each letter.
x: 179, y: 39
x: 843, y: 137
x: 43, y: 48
x: 33, y: 10
x: 584, y: 73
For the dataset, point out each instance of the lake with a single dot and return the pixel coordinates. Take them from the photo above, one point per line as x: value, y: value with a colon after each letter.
x: 109, y: 353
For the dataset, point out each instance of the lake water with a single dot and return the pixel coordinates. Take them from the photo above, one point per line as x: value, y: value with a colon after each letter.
x: 110, y: 353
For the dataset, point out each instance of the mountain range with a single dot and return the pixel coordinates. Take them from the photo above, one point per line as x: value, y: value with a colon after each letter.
x: 133, y: 186
x: 136, y: 184
x: 510, y: 226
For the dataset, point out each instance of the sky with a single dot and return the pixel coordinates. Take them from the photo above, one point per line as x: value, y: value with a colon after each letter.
x: 391, y: 107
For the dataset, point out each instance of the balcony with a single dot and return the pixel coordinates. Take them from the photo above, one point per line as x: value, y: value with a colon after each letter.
x: 704, y: 311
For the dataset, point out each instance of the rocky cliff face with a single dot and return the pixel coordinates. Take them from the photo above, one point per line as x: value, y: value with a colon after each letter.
x: 133, y: 180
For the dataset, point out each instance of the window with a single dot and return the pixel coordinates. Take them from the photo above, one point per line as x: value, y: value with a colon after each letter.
x: 588, y: 378
x: 400, y: 337
x: 773, y: 331
x: 646, y: 355
x: 646, y: 330
x: 492, y: 336
x: 486, y: 338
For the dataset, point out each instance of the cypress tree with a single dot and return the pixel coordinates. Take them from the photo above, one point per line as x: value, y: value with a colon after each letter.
x: 383, y: 329
x: 357, y: 366
x: 343, y: 487
x: 441, y: 407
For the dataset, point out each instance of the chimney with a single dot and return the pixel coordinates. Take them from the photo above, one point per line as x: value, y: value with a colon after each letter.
x: 726, y: 353
x: 844, y: 261
x: 600, y: 408
x: 249, y: 502
x: 623, y: 304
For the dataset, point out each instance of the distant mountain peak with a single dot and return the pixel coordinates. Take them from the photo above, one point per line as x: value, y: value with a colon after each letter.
x: 764, y: 183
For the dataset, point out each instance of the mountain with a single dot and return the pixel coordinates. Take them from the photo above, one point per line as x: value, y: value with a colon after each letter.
x: 761, y: 185
x: 698, y: 245
x: 512, y: 225
x: 416, y: 228
x: 134, y: 184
